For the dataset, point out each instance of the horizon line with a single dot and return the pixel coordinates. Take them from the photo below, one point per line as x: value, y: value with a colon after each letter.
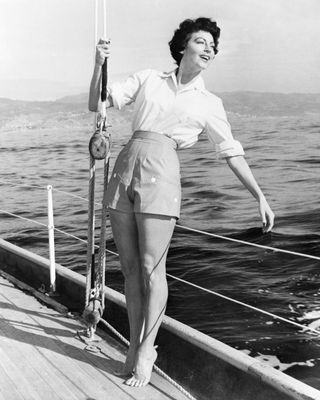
x: 56, y: 99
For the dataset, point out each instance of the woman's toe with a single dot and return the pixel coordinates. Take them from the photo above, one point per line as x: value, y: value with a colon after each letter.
x: 131, y: 381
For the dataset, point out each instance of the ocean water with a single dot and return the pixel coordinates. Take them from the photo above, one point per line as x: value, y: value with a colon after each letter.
x: 284, y: 154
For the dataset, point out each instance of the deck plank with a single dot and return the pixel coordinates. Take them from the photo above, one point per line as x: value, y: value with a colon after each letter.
x: 29, y: 357
x: 64, y: 364
x: 18, y: 378
x: 8, y: 391
x: 53, y: 361
x: 27, y: 334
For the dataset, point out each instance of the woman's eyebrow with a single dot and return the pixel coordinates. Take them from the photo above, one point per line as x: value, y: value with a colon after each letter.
x: 201, y: 37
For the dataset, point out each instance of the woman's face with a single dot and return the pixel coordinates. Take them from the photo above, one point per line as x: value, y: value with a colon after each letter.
x: 199, y: 51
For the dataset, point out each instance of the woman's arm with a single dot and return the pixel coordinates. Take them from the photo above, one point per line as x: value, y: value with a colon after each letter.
x: 102, y: 52
x: 243, y: 172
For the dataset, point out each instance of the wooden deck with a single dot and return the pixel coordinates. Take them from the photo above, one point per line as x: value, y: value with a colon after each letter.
x: 41, y: 357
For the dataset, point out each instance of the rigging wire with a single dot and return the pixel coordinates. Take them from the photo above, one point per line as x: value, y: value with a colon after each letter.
x: 188, y: 228
x: 75, y: 196
x: 275, y: 249
x: 24, y: 218
x: 22, y: 184
x: 303, y: 327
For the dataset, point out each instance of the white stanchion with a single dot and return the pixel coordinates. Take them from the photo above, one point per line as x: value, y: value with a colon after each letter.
x: 51, y: 241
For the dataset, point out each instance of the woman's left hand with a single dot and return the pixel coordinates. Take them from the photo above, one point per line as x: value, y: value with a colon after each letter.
x: 267, y: 216
x: 102, y: 51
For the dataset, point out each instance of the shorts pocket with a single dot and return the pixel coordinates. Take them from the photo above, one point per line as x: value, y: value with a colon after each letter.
x: 123, y: 167
x: 161, y: 165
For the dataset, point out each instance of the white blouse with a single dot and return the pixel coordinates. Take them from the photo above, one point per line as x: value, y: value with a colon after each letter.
x: 180, y: 113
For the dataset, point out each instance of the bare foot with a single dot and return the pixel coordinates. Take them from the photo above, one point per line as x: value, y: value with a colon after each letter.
x: 127, y: 368
x: 142, y: 370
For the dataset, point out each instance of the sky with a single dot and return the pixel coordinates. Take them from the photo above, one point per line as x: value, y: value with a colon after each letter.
x: 47, y: 46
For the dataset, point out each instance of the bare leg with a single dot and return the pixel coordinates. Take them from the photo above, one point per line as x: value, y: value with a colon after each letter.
x: 155, y: 234
x: 125, y: 235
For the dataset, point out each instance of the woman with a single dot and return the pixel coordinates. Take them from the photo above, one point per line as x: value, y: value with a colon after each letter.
x: 171, y: 110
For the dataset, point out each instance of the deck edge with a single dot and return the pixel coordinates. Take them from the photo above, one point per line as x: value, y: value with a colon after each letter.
x: 277, y: 379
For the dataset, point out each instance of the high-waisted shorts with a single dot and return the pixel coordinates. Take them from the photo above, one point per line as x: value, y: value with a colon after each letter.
x: 146, y: 176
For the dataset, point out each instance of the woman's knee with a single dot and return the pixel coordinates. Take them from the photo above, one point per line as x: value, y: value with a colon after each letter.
x: 130, y: 267
x: 152, y: 270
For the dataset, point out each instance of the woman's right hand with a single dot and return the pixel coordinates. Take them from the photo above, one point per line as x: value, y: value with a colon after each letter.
x: 102, y: 51
x: 267, y: 215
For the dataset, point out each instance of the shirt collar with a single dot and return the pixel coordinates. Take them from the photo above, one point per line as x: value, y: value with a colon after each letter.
x: 197, y: 83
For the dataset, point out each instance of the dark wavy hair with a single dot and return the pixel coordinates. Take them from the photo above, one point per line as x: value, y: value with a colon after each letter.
x: 187, y: 27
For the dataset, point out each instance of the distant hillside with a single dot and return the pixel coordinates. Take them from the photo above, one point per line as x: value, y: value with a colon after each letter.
x: 67, y: 112
x: 72, y: 111
x: 81, y: 98
x: 271, y: 104
x: 18, y: 114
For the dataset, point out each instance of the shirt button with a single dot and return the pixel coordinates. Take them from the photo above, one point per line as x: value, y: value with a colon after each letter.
x: 175, y: 200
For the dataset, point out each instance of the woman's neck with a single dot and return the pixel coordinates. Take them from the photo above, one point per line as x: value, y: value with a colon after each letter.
x: 185, y: 75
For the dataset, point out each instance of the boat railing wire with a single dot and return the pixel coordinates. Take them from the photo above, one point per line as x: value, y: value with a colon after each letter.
x: 221, y: 237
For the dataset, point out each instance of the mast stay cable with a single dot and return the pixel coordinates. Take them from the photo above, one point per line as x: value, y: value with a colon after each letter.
x: 202, y: 232
x: 303, y: 327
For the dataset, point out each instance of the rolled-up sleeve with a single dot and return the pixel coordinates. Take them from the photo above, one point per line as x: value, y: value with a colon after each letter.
x: 125, y: 92
x: 219, y: 132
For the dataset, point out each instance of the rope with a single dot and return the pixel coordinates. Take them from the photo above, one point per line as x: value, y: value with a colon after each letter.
x: 102, y: 250
x: 90, y: 233
x: 249, y: 243
x: 104, y: 14
x: 156, y: 368
x: 95, y: 37
x: 95, y: 274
